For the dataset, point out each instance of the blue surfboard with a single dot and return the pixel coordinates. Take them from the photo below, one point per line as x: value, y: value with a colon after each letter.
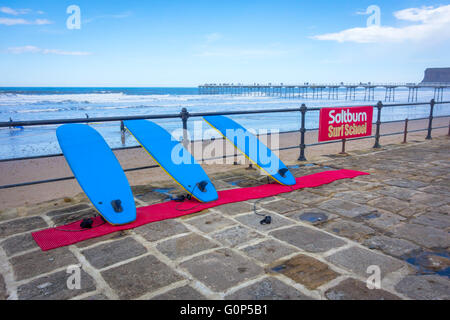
x: 252, y: 148
x: 173, y: 158
x: 98, y: 172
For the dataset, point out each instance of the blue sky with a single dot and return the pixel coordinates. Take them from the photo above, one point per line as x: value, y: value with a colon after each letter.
x: 187, y: 43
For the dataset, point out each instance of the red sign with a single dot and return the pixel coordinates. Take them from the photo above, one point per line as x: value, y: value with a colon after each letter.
x: 345, y: 123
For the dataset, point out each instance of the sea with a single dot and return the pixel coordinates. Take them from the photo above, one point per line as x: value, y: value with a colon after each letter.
x: 21, y: 104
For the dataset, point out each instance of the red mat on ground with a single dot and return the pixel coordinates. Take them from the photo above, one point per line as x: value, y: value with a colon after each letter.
x: 65, y: 235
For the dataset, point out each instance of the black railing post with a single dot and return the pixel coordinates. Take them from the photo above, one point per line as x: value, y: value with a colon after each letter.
x: 184, y: 114
x: 405, y: 132
x: 343, y: 147
x: 377, y: 133
x: 302, y: 157
x: 430, y: 119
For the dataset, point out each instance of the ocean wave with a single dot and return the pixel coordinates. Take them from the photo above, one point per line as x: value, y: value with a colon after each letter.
x: 8, y: 99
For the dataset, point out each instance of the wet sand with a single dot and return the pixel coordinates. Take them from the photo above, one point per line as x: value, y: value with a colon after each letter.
x: 12, y: 172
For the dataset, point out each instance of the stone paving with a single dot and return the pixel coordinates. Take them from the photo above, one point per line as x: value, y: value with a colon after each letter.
x: 320, y: 245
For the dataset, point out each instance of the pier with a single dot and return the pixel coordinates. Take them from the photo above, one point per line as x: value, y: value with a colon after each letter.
x: 344, y: 91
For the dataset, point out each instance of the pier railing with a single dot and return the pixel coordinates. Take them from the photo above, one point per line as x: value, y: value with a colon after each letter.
x: 184, y: 115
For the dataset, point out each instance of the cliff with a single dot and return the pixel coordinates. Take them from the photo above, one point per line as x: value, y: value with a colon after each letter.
x: 437, y: 75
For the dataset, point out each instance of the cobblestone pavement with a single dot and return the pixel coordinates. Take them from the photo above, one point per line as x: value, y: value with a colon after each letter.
x: 319, y: 246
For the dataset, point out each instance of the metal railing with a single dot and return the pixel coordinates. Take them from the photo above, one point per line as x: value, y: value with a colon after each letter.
x: 184, y: 115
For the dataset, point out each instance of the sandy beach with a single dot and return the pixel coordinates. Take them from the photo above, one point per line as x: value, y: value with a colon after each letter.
x: 56, y: 167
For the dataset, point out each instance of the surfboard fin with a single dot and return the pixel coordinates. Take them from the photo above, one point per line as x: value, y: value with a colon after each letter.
x: 202, y: 185
x: 117, y: 205
x: 283, y: 171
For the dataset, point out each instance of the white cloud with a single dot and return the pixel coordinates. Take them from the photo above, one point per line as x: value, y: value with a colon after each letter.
x: 430, y: 22
x: 14, y: 12
x: 12, y: 22
x: 33, y: 49
x: 42, y: 21
x: 20, y: 21
x: 24, y: 49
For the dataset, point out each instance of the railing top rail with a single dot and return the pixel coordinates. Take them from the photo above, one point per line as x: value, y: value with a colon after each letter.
x: 179, y: 115
x: 137, y: 117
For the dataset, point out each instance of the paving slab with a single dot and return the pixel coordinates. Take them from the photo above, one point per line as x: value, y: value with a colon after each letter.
x: 433, y: 219
x: 423, y: 235
x: 36, y: 262
x: 135, y: 278
x: 396, y: 192
x: 361, y: 197
x: 352, y: 289
x: 267, y: 289
x: 152, y: 197
x: 306, y: 270
x: 382, y: 220
x: 345, y: 208
x: 283, y: 206
x: 107, y: 254
x: 210, y: 222
x: 161, y: 229
x: 181, y: 293
x: 112, y: 236
x: 424, y: 287
x: 406, y: 183
x: 357, y: 260
x: 17, y: 244
x: 268, y: 251
x: 308, y: 239
x: 236, y: 236
x: 437, y: 188
x: 185, y: 246
x: 303, y: 196
x: 21, y: 225
x: 391, y: 246
x: 235, y: 208
x: 329, y: 189
x: 361, y: 185
x: 349, y: 229
x: 54, y: 287
x: 390, y: 204
x: 222, y: 269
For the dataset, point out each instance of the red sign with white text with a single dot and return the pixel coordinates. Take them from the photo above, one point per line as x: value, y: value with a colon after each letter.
x: 345, y: 123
